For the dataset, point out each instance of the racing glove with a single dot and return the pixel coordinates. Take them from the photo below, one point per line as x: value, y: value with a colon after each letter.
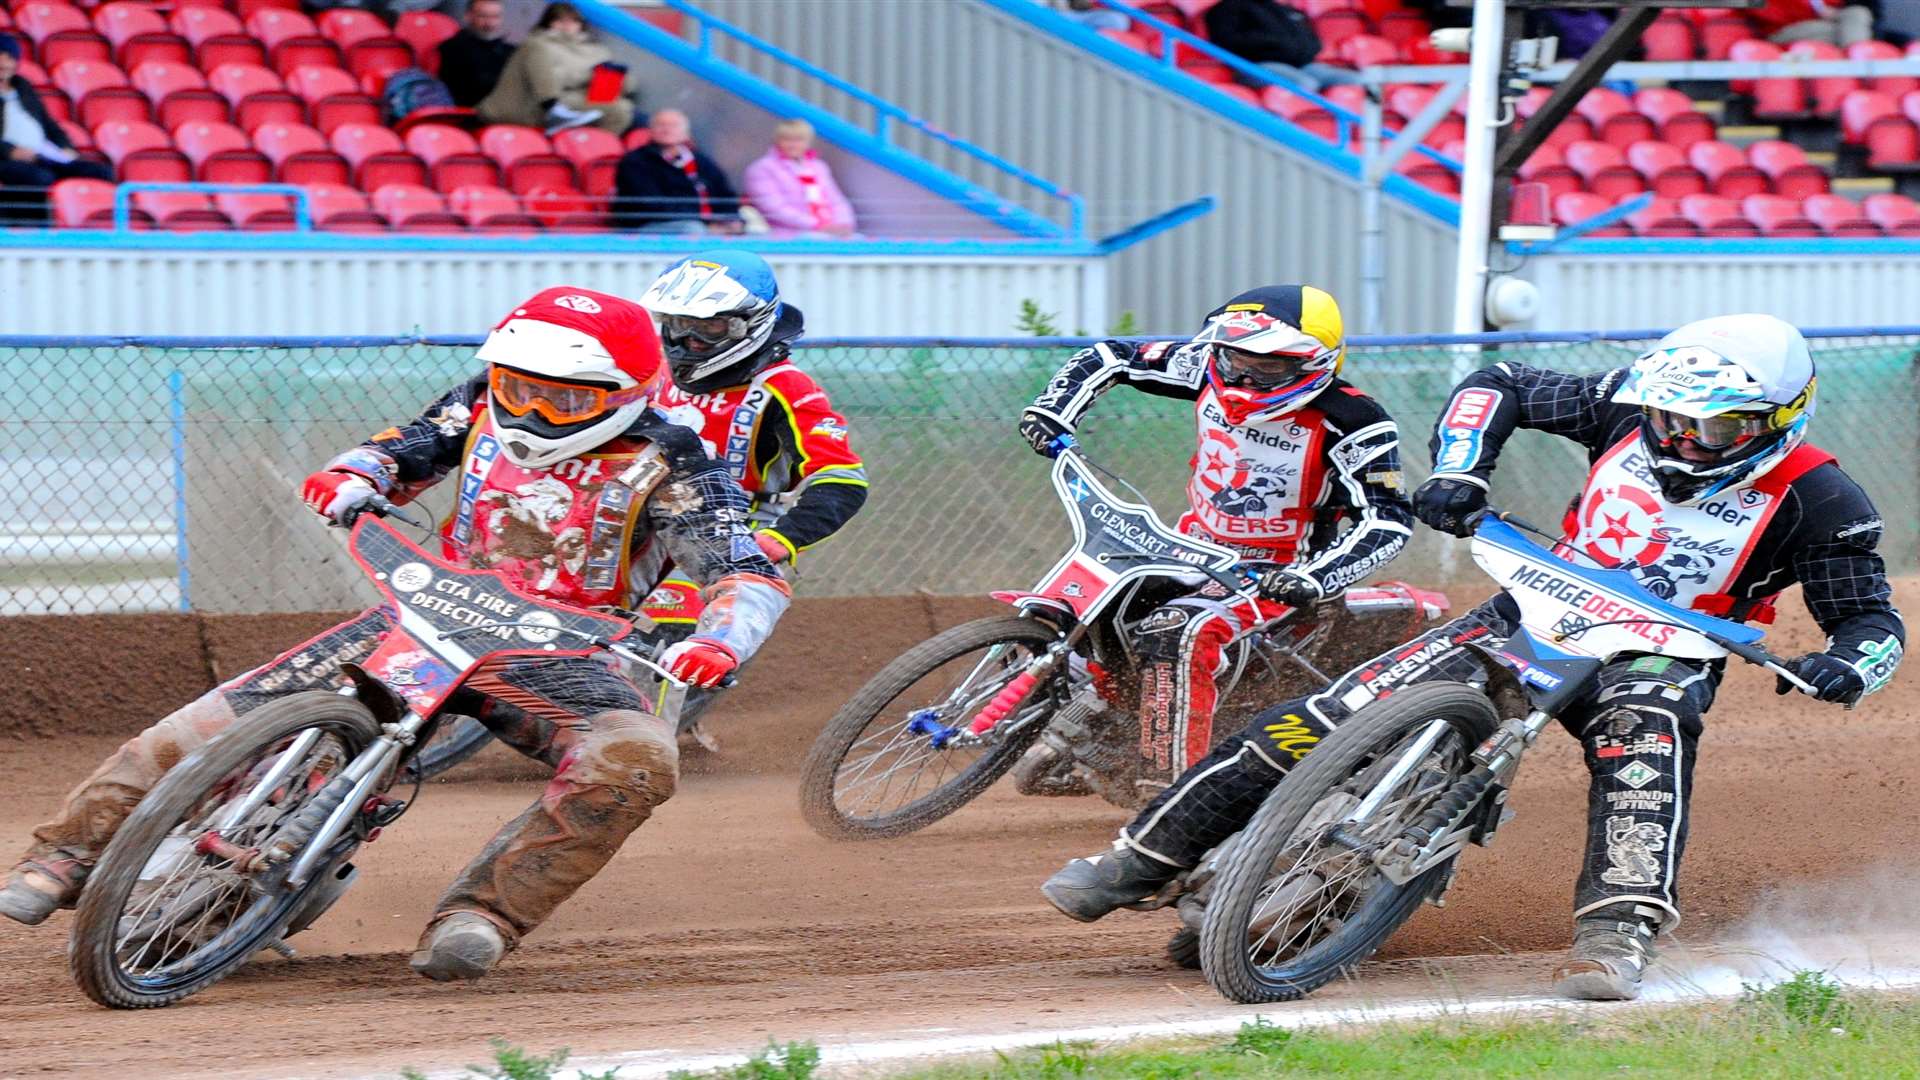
x: 1288, y: 587
x: 1832, y: 678
x: 699, y: 662
x: 1042, y: 432
x: 772, y: 547
x: 1446, y: 504
x: 337, y: 495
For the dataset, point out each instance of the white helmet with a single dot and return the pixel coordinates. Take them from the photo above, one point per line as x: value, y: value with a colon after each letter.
x: 568, y: 370
x: 1723, y: 400
x: 716, y: 311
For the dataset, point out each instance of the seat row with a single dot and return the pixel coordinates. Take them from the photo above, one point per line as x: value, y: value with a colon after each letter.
x: 1758, y: 215
x: 403, y: 207
x: 1770, y: 166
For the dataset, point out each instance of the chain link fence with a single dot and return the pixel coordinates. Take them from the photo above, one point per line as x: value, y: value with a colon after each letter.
x: 162, y: 476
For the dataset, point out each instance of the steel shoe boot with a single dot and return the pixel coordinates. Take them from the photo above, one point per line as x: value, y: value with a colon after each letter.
x: 1611, y: 951
x: 461, y: 946
x: 32, y: 894
x: 1088, y: 888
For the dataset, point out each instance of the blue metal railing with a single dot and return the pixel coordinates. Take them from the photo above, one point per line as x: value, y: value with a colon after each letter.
x: 885, y: 112
x: 124, y: 193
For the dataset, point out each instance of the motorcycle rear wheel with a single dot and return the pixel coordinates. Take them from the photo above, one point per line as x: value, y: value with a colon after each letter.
x: 836, y: 793
x: 232, y: 916
x: 1291, y: 831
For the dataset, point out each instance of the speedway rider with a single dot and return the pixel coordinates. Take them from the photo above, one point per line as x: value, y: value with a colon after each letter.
x: 727, y: 335
x: 565, y: 405
x: 1698, y: 450
x: 1288, y: 452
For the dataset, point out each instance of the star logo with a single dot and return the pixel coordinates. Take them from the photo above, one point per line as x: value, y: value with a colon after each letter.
x: 1619, y: 526
x: 1617, y: 529
x: 1215, y: 463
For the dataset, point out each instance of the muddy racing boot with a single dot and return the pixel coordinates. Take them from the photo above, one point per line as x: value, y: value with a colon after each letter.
x: 461, y: 946
x: 1088, y: 888
x: 34, y: 892
x: 1611, y: 951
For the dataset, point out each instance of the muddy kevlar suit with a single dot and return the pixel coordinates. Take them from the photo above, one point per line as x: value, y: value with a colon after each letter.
x: 1319, y: 488
x: 1639, y: 727
x: 613, y: 761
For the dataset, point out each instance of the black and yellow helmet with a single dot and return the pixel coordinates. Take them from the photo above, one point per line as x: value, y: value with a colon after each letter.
x: 1275, y: 348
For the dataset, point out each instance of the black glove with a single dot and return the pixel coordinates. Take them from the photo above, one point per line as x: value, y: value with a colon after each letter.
x: 1289, y: 587
x: 1832, y: 678
x: 1446, y: 504
x: 1041, y: 432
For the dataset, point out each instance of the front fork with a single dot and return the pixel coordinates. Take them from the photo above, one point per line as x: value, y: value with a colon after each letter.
x: 1004, y: 704
x: 1471, y: 809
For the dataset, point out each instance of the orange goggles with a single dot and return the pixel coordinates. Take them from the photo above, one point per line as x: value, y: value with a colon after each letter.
x: 558, y: 402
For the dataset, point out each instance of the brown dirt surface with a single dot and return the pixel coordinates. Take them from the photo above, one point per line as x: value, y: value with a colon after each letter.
x: 725, y: 921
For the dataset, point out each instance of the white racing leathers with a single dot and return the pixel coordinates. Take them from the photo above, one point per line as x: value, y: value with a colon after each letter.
x: 1805, y: 522
x: 1319, y: 488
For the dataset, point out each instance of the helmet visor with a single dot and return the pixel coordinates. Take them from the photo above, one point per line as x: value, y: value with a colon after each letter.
x: 558, y: 402
x: 1715, y: 433
x: 702, y: 336
x: 1260, y: 371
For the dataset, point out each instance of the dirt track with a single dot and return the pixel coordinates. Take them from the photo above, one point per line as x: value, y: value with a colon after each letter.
x: 725, y: 921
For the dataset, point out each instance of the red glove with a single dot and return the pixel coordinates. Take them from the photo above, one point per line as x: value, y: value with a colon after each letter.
x: 771, y: 546
x: 699, y: 662
x: 336, y: 495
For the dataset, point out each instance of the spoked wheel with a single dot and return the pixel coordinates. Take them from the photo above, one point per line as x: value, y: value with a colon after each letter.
x: 1299, y: 899
x: 887, y: 763
x: 181, y: 897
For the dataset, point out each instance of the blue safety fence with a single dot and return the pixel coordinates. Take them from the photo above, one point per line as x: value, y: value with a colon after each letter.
x: 143, y: 474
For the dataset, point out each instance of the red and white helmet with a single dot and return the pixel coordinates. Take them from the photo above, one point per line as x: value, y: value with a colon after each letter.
x: 567, y: 370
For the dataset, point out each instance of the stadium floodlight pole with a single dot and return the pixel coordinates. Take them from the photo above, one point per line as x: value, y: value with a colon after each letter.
x: 1488, y: 47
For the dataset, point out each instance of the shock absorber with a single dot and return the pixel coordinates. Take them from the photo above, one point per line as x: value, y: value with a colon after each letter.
x: 1448, y: 808
x: 1012, y: 694
x: 291, y: 837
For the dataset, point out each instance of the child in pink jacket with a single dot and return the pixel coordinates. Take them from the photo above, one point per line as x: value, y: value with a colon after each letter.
x: 793, y: 187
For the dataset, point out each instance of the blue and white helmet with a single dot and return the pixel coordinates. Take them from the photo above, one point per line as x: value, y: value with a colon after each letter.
x: 714, y: 310
x: 1723, y: 401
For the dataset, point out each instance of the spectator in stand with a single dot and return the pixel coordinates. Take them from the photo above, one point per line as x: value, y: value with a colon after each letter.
x: 1274, y: 35
x: 794, y: 189
x: 1090, y: 14
x: 1787, y: 21
x: 667, y: 186
x: 34, y: 150
x: 551, y: 80
x: 471, y: 61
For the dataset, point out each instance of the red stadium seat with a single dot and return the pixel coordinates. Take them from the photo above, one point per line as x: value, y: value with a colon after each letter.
x: 1717, y: 216
x: 1668, y: 38
x: 1826, y: 92
x: 1775, y: 215
x: 595, y: 155
x: 378, y: 158
x: 246, y: 8
x: 1290, y: 106
x: 567, y: 210
x: 1336, y: 27
x: 1673, y: 116
x: 412, y: 208
x: 257, y: 96
x: 291, y: 40
x: 140, y: 151
x: 100, y: 93
x: 221, y: 154
x: 1604, y: 169
x: 424, y: 31
x: 217, y: 37
x: 1661, y: 217
x: 1787, y: 169
x: 333, y: 97
x: 1896, y: 214
x: 1403, y: 28
x: 88, y: 204
x: 1573, y: 129
x: 1886, y: 84
x: 1367, y: 50
x: 1718, y: 30
x: 1136, y: 42
x: 138, y: 34
x: 1773, y: 99
x: 366, y: 41
x: 179, y: 94
x: 1837, y: 215
x: 339, y: 208
x: 1409, y: 100
x: 1349, y: 96
x: 491, y: 209
x: 526, y: 157
x: 181, y: 211
x: 637, y: 138
x: 1726, y: 169
x: 1577, y: 206
x: 1872, y: 119
x: 256, y: 211
x: 453, y: 159
x: 1548, y: 166
x: 1317, y: 8
x: 300, y: 155
x: 1613, y: 118
x: 59, y: 33
x: 1665, y: 169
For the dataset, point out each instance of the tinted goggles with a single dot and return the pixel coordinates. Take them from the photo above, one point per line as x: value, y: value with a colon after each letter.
x: 558, y: 402
x: 1261, y: 371
x: 713, y: 330
x: 1713, y: 432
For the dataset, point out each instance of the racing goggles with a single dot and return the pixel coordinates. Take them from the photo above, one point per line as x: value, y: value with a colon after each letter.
x: 1264, y: 371
x: 1722, y: 432
x: 558, y: 402
x: 711, y: 331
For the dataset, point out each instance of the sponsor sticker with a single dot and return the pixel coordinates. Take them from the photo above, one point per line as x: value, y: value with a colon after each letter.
x: 1637, y: 774
x: 411, y: 577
